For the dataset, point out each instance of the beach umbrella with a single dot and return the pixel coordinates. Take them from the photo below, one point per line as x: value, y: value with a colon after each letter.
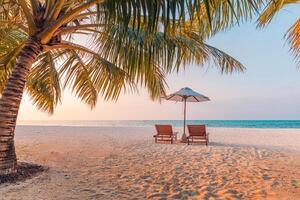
x: 186, y: 95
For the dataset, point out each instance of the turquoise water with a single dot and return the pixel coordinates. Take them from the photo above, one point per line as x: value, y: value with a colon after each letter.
x: 175, y: 123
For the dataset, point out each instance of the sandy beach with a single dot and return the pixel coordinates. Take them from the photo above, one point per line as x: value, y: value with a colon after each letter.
x: 125, y: 163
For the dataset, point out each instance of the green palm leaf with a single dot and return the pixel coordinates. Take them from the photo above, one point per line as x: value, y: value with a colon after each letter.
x: 139, y: 52
x: 89, y: 75
x: 77, y: 74
x: 11, y: 42
x: 134, y: 42
x: 149, y: 15
x: 43, y: 84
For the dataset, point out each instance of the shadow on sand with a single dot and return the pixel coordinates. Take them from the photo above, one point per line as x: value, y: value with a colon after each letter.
x: 24, y: 171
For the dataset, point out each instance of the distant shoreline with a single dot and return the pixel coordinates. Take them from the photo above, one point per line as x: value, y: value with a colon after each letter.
x: 261, y: 124
x: 148, y: 127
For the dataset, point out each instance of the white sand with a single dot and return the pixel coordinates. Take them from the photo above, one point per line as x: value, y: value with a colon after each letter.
x: 124, y: 163
x: 285, y: 139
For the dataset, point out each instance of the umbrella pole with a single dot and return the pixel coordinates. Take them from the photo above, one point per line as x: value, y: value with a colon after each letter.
x: 184, y: 116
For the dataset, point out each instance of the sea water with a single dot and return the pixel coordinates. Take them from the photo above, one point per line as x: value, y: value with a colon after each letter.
x: 175, y: 123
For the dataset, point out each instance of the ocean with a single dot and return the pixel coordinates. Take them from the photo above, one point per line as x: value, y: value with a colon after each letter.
x: 280, y: 124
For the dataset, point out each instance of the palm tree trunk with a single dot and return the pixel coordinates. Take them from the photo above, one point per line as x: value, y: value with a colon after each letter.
x: 10, y: 103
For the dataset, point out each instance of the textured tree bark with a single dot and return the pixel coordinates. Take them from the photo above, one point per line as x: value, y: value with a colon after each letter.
x: 10, y: 103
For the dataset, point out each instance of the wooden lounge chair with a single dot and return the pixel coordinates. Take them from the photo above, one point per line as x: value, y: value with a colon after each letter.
x: 165, y: 133
x: 197, y: 134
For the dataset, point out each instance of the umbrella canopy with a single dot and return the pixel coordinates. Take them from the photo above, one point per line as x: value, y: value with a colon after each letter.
x: 186, y: 95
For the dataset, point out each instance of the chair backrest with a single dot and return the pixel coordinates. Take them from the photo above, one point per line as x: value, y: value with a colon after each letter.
x: 197, y: 130
x: 164, y: 129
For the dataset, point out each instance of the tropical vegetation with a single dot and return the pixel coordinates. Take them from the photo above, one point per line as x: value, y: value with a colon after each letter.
x: 98, y: 48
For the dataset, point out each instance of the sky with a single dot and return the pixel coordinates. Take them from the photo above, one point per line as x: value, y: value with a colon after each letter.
x: 269, y: 89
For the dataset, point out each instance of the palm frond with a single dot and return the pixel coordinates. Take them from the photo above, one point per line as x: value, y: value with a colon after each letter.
x: 43, y: 83
x: 77, y: 74
x: 89, y: 75
x: 272, y: 8
x: 293, y: 34
x: 151, y: 15
x: 147, y: 58
x: 11, y: 42
x: 223, y: 61
x: 109, y: 79
x: 138, y: 52
x: 293, y: 37
x: 11, y: 14
x: 137, y: 42
x: 156, y: 84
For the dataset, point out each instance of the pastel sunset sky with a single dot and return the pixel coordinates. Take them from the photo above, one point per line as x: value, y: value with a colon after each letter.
x: 269, y: 89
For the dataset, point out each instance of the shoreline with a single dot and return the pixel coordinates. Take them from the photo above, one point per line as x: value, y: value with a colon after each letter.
x: 147, y: 127
x: 256, y: 124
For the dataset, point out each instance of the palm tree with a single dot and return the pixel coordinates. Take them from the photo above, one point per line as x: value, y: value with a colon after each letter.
x: 132, y: 43
x: 293, y: 34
